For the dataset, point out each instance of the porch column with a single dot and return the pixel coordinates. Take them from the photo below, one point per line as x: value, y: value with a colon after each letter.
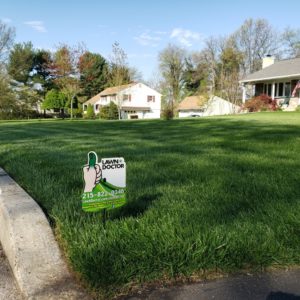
x: 244, y: 92
x: 273, y: 91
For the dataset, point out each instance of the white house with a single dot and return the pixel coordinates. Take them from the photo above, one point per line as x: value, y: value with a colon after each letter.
x: 137, y: 101
x: 197, y: 106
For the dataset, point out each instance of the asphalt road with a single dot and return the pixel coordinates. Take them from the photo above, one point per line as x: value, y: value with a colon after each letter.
x: 8, y: 286
x: 277, y: 285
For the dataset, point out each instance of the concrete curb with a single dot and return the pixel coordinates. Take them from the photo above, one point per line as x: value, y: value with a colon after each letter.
x: 30, y: 247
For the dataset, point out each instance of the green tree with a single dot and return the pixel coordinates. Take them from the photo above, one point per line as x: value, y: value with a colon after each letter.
x: 8, y: 101
x: 64, y: 69
x: 195, y: 76
x: 230, y: 65
x: 172, y: 66
x: 55, y: 100
x: 93, y: 73
x: 28, y: 101
x: 21, y: 61
x: 41, y: 73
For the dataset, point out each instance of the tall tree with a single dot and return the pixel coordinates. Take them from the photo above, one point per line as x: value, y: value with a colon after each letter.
x: 64, y: 70
x: 195, y: 75
x: 119, y: 72
x: 7, y: 35
x: 255, y: 39
x: 41, y: 73
x: 172, y: 66
x: 8, y: 101
x: 230, y: 64
x: 21, y: 61
x: 291, y: 42
x: 210, y: 59
x: 93, y: 73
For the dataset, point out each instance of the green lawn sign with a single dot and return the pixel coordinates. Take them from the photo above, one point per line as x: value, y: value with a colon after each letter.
x: 104, y: 183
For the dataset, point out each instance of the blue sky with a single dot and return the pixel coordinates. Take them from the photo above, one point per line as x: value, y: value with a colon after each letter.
x: 143, y: 28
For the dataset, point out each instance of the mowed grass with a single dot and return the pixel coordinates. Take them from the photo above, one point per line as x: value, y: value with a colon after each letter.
x: 203, y: 194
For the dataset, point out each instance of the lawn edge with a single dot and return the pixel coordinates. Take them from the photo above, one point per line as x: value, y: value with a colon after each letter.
x: 29, y: 244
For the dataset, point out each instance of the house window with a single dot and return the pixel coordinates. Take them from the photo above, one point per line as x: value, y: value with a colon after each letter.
x: 113, y: 98
x: 280, y: 89
x: 269, y: 89
x: 287, y: 90
x: 84, y: 107
x: 103, y: 98
x: 127, y: 97
x: 151, y: 98
x: 97, y: 107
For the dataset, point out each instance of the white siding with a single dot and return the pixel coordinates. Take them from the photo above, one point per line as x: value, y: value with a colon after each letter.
x: 218, y: 106
x: 139, y: 94
x: 139, y: 98
x: 215, y: 107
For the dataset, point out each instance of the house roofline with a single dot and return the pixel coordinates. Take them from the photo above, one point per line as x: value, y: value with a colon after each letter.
x: 270, y: 78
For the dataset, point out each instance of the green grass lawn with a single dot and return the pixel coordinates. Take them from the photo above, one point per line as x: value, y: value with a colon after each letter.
x: 204, y: 194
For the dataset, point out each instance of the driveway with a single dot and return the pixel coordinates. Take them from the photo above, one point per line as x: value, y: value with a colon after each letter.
x: 276, y: 285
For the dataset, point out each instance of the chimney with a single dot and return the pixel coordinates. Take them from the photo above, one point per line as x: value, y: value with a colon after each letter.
x: 268, y: 61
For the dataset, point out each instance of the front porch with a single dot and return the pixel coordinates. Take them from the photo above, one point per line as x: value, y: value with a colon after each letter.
x: 280, y: 90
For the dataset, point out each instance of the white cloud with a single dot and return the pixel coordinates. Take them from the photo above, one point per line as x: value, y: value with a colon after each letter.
x: 36, y: 25
x: 6, y: 20
x: 185, y: 37
x: 160, y: 32
x: 148, y: 39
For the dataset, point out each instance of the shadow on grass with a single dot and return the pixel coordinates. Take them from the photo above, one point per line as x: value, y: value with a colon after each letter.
x: 135, y: 207
x: 207, y: 193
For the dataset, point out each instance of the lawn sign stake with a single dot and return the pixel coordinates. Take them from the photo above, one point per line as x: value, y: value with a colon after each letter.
x: 104, y: 184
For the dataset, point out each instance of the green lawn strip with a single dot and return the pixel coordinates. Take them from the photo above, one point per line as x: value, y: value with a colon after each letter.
x: 203, y: 194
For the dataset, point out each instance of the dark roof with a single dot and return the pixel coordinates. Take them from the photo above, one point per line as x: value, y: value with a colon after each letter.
x: 282, y: 69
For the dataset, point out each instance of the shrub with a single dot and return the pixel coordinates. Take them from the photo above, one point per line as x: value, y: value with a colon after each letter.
x: 77, y: 110
x: 90, y: 112
x: 261, y: 103
x: 109, y: 112
x: 167, y: 114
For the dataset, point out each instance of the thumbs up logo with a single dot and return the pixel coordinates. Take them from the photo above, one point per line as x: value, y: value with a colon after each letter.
x: 92, y: 172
